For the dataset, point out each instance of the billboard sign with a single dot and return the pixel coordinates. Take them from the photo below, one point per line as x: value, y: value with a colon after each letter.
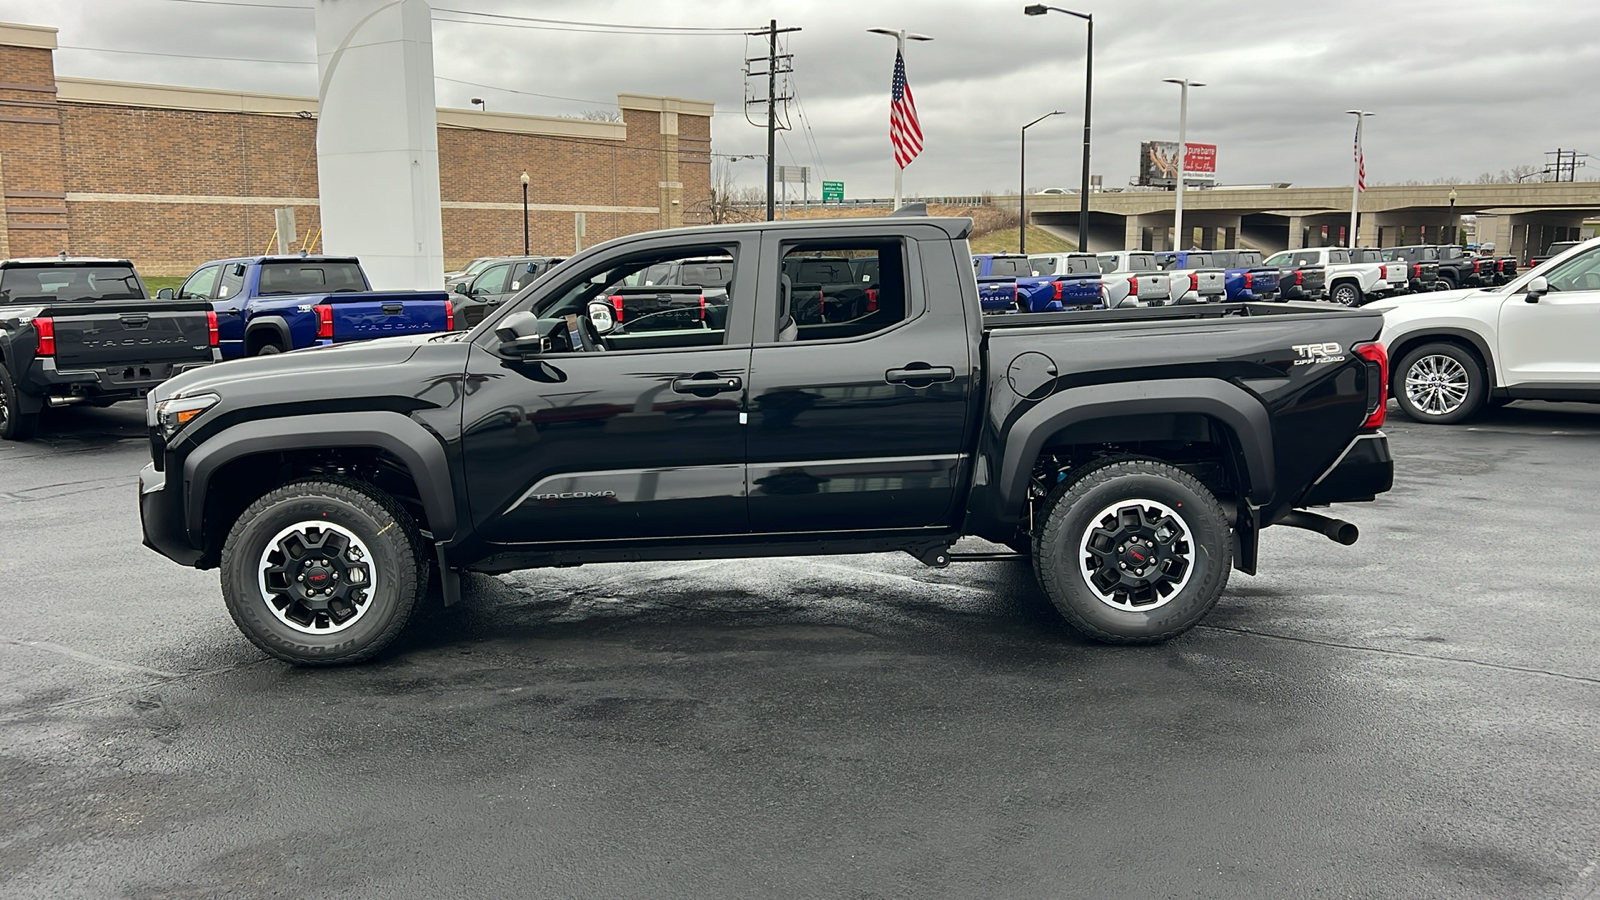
x: 1158, y: 163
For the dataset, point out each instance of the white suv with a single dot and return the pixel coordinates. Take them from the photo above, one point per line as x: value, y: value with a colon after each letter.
x: 1535, y: 338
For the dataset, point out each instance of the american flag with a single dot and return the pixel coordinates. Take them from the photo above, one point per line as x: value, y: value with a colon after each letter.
x: 1361, y: 162
x: 904, y: 131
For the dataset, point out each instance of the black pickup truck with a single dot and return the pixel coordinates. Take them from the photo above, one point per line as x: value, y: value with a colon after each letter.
x: 1133, y: 455
x: 1456, y: 267
x: 79, y: 330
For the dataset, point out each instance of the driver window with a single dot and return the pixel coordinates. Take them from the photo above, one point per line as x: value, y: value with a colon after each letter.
x: 491, y: 280
x: 659, y: 301
x: 201, y: 285
x: 1580, y: 273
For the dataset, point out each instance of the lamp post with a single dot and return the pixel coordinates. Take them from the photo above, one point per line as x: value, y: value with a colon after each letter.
x: 1039, y: 9
x: 525, y: 181
x: 1355, y: 188
x: 478, y: 102
x: 900, y: 36
x: 1022, y: 183
x: 1183, y: 154
x: 1454, y: 228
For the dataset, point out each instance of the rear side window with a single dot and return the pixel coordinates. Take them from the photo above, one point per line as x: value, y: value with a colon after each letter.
x: 69, y: 283
x: 818, y: 310
x: 1042, y: 265
x: 1141, y: 262
x: 1338, y: 257
x: 1017, y: 267
x: 309, y: 277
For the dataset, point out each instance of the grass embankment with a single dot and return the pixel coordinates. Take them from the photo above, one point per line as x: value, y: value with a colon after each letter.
x: 157, y: 282
x: 994, y: 230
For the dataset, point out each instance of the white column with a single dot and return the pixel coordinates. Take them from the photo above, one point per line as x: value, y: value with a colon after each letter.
x: 377, y: 140
x: 1178, y: 236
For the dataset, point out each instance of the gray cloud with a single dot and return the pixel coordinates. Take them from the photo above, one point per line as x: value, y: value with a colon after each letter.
x: 1459, y: 87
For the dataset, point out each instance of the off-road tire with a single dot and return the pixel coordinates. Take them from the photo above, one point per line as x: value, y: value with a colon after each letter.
x: 398, y: 559
x: 267, y: 349
x: 1477, y: 380
x: 1071, y: 509
x: 15, y: 425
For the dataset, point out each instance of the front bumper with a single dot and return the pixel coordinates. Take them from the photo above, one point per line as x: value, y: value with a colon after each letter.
x: 1363, y: 471
x: 161, y: 517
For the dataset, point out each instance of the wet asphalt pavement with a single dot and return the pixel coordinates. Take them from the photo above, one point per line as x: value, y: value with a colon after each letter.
x: 1415, y: 716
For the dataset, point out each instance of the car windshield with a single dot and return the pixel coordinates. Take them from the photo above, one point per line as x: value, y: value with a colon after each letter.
x: 292, y: 277
x: 69, y: 283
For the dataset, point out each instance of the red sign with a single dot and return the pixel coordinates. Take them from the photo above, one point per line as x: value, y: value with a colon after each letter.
x: 1200, y: 159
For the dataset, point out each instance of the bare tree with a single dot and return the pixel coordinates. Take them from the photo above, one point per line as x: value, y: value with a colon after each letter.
x: 596, y: 115
x: 728, y: 201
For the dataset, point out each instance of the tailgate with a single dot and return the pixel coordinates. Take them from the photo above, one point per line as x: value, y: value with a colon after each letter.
x: 1079, y: 289
x: 997, y: 292
x: 1396, y: 274
x: 1210, y: 282
x: 359, y: 317
x: 118, y: 334
x: 1263, y: 280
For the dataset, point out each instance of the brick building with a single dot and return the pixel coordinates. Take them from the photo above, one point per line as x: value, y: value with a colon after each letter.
x: 174, y: 176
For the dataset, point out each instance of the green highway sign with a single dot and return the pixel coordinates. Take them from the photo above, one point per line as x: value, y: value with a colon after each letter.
x: 833, y: 192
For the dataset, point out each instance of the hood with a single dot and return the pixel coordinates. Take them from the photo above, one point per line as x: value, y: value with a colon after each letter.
x: 1435, y: 297
x: 330, y: 360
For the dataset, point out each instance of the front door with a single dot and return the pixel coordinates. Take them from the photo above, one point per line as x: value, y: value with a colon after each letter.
x: 860, y: 391
x: 1555, y: 341
x: 640, y: 437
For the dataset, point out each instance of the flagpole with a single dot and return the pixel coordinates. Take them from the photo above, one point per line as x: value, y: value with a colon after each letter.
x: 1356, y: 177
x: 899, y: 170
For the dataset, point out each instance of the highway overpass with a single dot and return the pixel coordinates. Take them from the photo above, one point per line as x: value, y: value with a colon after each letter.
x: 1521, y: 219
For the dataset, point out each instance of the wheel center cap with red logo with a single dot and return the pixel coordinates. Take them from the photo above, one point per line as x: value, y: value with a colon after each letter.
x: 1138, y: 556
x: 317, y: 578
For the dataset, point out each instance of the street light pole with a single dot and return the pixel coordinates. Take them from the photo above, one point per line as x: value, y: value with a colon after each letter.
x: 1022, y: 184
x: 900, y: 36
x: 525, y: 181
x: 1039, y: 9
x: 1454, y: 228
x: 1183, y: 154
x: 1355, y: 187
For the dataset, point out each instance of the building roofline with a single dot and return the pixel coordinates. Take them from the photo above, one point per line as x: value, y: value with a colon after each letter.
x: 39, y: 37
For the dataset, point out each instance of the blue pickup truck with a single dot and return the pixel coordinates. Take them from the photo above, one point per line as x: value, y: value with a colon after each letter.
x: 1246, y: 277
x: 1037, y: 291
x: 273, y: 304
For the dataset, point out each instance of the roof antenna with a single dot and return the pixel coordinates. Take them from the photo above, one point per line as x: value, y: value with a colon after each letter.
x: 916, y: 208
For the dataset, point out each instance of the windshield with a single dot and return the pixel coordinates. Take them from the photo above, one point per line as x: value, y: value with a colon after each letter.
x: 69, y: 283
x: 309, y: 277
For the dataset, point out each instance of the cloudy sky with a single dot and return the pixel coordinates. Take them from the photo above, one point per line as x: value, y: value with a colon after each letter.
x: 1459, y: 86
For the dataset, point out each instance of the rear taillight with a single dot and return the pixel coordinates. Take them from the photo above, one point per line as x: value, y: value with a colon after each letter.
x: 449, y: 317
x: 1059, y: 288
x: 1377, y: 382
x: 1194, y: 281
x: 1133, y: 285
x: 702, y: 307
x: 616, y: 304
x: 46, y: 329
x: 1299, y: 277
x: 211, y: 328
x: 872, y: 299
x: 324, y: 322
x: 1416, y: 270
x: 1249, y: 279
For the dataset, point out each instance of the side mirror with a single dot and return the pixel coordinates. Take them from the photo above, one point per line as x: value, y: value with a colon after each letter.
x: 165, y: 294
x: 519, y: 335
x: 463, y: 289
x: 603, y: 316
x: 1536, y: 287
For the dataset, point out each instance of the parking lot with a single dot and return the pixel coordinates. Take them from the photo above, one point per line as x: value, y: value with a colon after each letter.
x: 1413, y: 716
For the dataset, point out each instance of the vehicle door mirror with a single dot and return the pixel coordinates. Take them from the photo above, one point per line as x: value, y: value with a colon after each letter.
x: 603, y: 316
x: 1536, y: 287
x: 165, y: 294
x: 463, y: 288
x: 519, y: 335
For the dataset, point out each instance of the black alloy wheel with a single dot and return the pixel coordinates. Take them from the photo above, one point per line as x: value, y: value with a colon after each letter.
x: 1133, y: 551
x: 323, y: 572
x: 15, y: 425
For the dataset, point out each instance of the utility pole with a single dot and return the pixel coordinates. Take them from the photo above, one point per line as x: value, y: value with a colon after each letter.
x: 772, y: 59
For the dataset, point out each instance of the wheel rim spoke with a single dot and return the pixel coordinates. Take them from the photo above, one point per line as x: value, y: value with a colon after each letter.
x: 1437, y: 385
x: 1137, y: 555
x: 317, y: 577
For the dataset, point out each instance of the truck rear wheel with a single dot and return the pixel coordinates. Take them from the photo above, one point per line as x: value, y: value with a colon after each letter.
x: 1346, y: 293
x: 1133, y: 551
x: 15, y: 425
x: 323, y: 572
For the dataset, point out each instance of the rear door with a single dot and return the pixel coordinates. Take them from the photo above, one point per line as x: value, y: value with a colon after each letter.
x: 642, y: 440
x: 860, y: 424
x: 1555, y: 341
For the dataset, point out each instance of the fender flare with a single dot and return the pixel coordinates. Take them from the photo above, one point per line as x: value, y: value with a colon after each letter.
x: 1424, y: 335
x: 392, y: 432
x: 1234, y: 407
x: 275, y: 324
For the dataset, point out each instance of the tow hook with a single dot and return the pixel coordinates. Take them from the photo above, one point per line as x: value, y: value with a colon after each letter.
x: 1336, y: 529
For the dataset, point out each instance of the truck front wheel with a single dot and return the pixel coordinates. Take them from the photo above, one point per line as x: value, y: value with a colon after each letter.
x: 1441, y: 384
x: 323, y: 572
x: 1133, y: 551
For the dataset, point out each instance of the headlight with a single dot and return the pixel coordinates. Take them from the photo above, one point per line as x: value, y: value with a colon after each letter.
x: 172, y: 415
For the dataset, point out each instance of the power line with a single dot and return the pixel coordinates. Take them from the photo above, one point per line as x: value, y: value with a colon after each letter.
x: 599, y: 27
x: 495, y: 87
x: 285, y: 62
x: 247, y: 5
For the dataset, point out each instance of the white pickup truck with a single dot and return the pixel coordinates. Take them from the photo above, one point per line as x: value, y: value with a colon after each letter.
x: 1202, y: 282
x: 1133, y: 278
x: 1534, y: 338
x: 1351, y: 279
